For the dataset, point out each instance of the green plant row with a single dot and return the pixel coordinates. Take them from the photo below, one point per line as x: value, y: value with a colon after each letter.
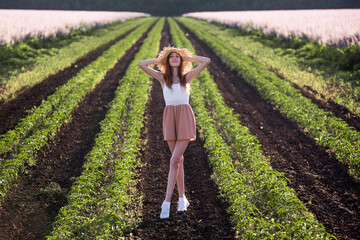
x: 14, y: 81
x: 262, y: 205
x: 101, y: 203
x: 327, y: 130
x: 54, y: 111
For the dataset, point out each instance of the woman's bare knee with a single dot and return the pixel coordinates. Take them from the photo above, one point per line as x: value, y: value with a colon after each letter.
x: 175, y: 160
x: 177, y: 154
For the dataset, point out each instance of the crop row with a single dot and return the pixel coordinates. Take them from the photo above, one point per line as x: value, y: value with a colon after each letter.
x: 328, y: 131
x: 19, y: 146
x: 261, y: 204
x: 101, y: 203
x: 41, y: 65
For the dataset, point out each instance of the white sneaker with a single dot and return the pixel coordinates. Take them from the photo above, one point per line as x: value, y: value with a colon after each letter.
x: 165, y: 210
x: 183, y: 204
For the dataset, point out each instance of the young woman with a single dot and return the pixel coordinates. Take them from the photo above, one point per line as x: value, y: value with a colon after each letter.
x: 179, y: 126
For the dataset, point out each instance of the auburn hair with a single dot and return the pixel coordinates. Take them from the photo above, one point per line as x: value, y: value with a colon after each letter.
x: 168, y: 77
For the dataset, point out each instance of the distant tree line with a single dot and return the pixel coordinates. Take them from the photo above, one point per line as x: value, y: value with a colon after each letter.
x: 177, y: 7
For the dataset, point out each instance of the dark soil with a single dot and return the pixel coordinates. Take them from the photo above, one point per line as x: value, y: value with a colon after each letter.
x: 15, y: 109
x: 338, y: 111
x: 206, y: 217
x: 319, y: 180
x: 26, y: 213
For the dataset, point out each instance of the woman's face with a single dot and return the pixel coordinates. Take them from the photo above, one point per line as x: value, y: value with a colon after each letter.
x: 174, y: 59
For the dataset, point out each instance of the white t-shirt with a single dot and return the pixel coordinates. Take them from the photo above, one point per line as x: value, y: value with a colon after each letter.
x: 175, y: 96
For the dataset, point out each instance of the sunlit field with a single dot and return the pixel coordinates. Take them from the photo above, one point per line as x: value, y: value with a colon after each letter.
x: 82, y: 153
x: 17, y: 24
x: 335, y: 26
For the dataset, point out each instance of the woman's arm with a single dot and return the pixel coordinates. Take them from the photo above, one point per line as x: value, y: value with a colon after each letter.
x: 193, y: 73
x: 152, y: 72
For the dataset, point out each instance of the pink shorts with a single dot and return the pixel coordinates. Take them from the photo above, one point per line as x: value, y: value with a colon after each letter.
x: 179, y: 123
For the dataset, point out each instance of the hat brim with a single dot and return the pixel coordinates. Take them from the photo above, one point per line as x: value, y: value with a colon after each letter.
x: 183, y: 52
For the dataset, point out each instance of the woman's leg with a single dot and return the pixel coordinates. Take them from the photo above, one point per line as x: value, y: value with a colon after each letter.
x: 180, y: 178
x: 180, y: 174
x: 175, y: 160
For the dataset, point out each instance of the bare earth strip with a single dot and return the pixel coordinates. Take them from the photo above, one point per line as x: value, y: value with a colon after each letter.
x: 328, y: 105
x: 319, y: 180
x: 25, y: 212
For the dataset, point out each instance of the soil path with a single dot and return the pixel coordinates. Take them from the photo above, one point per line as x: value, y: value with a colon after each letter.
x: 319, y: 180
x: 206, y: 217
x: 328, y: 105
x: 25, y: 213
x: 339, y: 111
x: 12, y: 111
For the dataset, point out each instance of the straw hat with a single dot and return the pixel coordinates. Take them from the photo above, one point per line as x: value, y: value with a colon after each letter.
x: 183, y: 52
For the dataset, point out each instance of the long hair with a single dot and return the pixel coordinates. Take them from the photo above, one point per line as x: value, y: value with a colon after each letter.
x: 168, y: 77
